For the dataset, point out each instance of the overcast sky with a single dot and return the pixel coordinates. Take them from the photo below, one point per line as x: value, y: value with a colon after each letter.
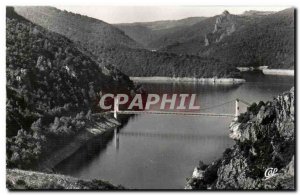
x: 127, y: 14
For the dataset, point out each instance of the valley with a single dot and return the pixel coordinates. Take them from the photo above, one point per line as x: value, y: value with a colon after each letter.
x: 59, y: 65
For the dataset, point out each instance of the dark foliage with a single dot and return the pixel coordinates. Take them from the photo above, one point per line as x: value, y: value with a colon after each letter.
x: 144, y: 63
x: 252, y: 111
x: 105, y: 42
x: 52, y: 88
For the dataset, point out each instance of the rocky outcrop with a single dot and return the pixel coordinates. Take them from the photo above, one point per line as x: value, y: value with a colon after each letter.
x: 224, y: 26
x: 20, y: 180
x: 263, y: 156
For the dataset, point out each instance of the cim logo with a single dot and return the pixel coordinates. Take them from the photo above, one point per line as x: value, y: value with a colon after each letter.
x: 270, y: 172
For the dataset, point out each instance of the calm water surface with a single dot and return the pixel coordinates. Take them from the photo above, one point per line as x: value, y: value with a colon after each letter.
x: 160, y: 151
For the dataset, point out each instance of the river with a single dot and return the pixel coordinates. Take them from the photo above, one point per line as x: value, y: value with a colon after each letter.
x: 160, y: 151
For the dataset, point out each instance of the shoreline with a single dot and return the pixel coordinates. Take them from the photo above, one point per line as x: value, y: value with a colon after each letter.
x: 158, y: 79
x: 279, y: 72
x: 82, y: 138
x: 266, y: 71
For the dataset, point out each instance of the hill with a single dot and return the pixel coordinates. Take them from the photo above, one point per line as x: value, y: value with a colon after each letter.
x: 191, y: 39
x: 147, y: 32
x: 267, y: 40
x: 257, y: 13
x: 87, y: 30
x: 52, y: 90
x: 132, y: 61
x: 143, y: 63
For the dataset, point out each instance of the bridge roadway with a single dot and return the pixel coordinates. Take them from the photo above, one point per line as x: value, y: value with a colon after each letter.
x: 175, y: 113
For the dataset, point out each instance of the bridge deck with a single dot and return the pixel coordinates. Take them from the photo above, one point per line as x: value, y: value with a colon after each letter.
x: 176, y: 113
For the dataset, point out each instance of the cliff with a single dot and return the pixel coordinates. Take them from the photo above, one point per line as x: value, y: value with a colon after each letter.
x: 265, y: 141
x: 224, y: 26
x: 20, y: 180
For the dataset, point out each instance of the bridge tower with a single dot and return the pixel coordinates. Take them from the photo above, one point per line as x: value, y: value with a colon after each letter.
x: 116, y: 107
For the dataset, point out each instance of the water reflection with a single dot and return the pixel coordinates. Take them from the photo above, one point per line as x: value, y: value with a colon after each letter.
x: 180, y: 136
x: 116, y: 138
x: 160, y: 151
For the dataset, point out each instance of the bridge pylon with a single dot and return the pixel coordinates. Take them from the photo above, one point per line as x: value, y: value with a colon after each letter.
x: 116, y: 107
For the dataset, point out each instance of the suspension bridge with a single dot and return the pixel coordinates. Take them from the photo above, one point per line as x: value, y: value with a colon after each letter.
x: 117, y: 112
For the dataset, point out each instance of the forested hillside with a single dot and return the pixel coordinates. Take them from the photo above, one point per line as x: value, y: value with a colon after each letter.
x: 52, y: 89
x: 194, y: 32
x: 269, y: 41
x: 148, y: 32
x: 132, y: 61
x: 136, y: 62
x: 94, y: 33
x: 266, y: 40
x: 191, y: 39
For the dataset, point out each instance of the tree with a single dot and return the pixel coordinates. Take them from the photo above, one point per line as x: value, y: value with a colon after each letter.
x: 37, y: 125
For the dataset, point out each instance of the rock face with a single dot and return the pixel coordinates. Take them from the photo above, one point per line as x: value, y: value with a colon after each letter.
x: 263, y: 156
x: 224, y: 26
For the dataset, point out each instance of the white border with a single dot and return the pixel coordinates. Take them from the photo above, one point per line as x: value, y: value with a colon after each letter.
x: 294, y: 3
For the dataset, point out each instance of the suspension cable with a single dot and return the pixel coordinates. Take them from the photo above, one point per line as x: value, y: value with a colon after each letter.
x: 247, y: 103
x: 218, y: 105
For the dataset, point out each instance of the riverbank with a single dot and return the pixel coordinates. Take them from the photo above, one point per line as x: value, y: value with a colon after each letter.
x: 279, y: 72
x: 225, y: 81
x: 266, y: 71
x: 100, y: 127
x: 263, y: 156
x: 251, y: 68
x: 17, y: 179
x: 44, y: 176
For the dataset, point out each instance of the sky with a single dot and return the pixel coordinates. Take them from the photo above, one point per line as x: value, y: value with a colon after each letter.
x: 128, y: 14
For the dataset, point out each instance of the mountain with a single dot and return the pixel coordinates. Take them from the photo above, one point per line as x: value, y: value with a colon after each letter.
x: 247, y: 40
x: 52, y: 89
x: 166, y: 24
x: 133, y: 61
x: 194, y: 32
x: 257, y: 13
x: 265, y: 144
x: 147, y: 32
x: 90, y: 31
